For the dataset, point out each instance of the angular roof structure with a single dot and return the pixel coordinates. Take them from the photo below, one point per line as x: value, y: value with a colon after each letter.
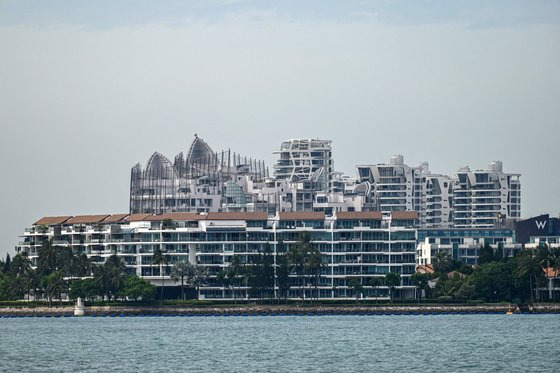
x: 52, y: 220
x: 86, y: 219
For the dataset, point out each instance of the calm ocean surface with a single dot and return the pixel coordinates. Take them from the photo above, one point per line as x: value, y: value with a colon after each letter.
x: 445, y: 343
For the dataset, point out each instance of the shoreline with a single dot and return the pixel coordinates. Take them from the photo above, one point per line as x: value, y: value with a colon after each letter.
x: 271, y: 310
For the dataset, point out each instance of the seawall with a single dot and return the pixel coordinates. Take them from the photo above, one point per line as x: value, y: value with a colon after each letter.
x: 271, y: 310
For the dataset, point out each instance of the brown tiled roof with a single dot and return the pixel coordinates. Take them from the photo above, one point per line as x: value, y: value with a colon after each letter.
x: 52, y: 220
x: 86, y: 219
x: 115, y: 218
x: 404, y: 215
x: 359, y: 215
x: 302, y: 215
x: 137, y: 217
x: 425, y: 268
x: 237, y: 216
x: 180, y: 216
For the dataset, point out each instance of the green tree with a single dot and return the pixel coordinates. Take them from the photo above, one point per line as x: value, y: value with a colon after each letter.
x: 466, y: 291
x: 443, y: 263
x: 180, y: 271
x: 392, y: 280
x: 375, y: 282
x: 47, y: 258
x: 66, y: 261
x: 168, y: 224
x: 224, y: 279
x: 11, y: 287
x: 198, y: 277
x: 109, y: 277
x: 448, y: 285
x: 297, y: 257
x: 486, y: 254
x: 7, y: 264
x: 313, y: 266
x: 33, y: 282
x: 85, y: 288
x: 357, y: 288
x: 283, y: 275
x: 420, y: 282
x: 493, y: 281
x: 161, y: 260
x: 136, y: 287
x: 55, y: 285
x: 20, y: 265
x: 84, y: 266
x: 235, y: 271
x: 529, y: 265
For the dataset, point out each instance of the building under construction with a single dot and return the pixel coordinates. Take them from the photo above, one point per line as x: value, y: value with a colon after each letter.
x: 201, y: 181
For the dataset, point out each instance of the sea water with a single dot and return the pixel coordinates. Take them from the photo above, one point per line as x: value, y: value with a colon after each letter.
x: 442, y: 343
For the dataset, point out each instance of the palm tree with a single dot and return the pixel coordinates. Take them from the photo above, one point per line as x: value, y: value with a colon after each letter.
x: 160, y: 259
x: 297, y: 256
x: 392, y: 280
x: 55, y: 285
x: 6, y: 264
x: 66, y: 261
x: 283, y: 275
x: 199, y: 276
x: 21, y: 264
x: 356, y: 285
x: 21, y: 268
x: 375, y: 282
x: 234, y: 272
x: 223, y: 279
x: 33, y: 283
x: 83, y: 265
x: 180, y: 271
x: 103, y: 277
x: 47, y: 259
x: 314, y: 263
x: 529, y: 265
x: 420, y: 281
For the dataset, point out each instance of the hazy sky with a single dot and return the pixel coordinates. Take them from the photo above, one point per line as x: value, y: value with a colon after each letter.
x: 87, y: 89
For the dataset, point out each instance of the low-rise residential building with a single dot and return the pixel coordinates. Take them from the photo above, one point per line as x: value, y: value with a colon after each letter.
x: 353, y: 245
x: 464, y: 244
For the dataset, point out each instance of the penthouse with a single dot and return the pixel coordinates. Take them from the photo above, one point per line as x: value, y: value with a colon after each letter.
x: 353, y: 245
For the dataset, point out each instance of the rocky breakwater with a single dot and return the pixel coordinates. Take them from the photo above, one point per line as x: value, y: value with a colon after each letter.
x: 266, y: 310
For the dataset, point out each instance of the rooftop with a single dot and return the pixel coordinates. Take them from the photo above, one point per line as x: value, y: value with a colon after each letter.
x: 359, y: 215
x: 301, y: 215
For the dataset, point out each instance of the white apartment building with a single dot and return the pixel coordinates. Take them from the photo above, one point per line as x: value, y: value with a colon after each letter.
x: 482, y: 198
x: 395, y: 186
x: 354, y: 245
x: 306, y: 160
x: 464, y: 244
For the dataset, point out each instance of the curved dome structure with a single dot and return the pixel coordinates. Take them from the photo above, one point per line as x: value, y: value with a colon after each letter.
x: 194, y: 182
x: 159, y: 167
x: 200, y: 152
